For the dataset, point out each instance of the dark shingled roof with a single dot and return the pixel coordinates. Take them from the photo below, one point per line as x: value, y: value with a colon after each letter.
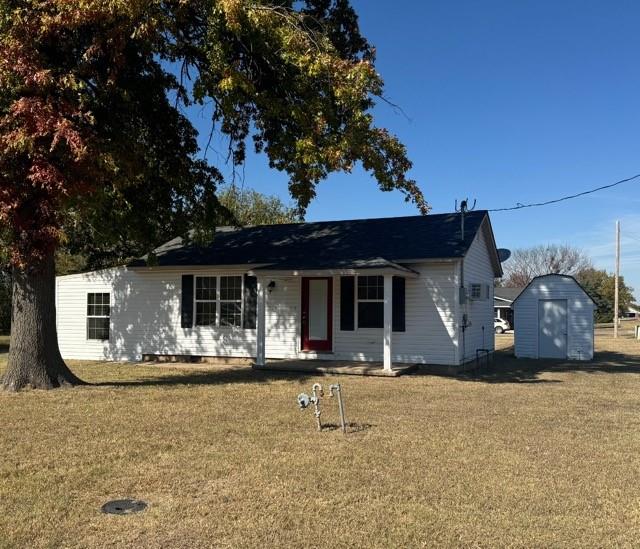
x: 360, y: 243
x: 507, y: 293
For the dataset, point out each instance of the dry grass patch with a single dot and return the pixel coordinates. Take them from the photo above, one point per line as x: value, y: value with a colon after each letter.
x: 525, y: 454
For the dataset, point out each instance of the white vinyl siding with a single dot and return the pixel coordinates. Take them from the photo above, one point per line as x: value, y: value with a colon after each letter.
x: 478, y: 271
x: 71, y: 319
x: 429, y: 318
x: 579, y: 316
x: 145, y: 319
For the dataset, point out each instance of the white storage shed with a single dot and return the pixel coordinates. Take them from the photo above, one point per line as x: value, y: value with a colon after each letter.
x: 554, y: 315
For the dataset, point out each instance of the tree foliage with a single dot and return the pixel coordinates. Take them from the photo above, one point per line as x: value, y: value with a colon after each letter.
x: 527, y: 263
x: 249, y: 207
x: 98, y: 157
x: 95, y: 152
x: 600, y: 285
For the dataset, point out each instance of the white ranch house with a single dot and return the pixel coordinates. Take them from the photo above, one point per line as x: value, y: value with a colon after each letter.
x: 392, y: 291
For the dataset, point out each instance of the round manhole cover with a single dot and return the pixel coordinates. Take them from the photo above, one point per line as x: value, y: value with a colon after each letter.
x: 124, y: 506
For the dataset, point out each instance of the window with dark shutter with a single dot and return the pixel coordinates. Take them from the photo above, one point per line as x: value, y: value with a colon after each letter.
x: 250, y: 302
x: 186, y: 305
x: 347, y: 297
x: 398, y: 304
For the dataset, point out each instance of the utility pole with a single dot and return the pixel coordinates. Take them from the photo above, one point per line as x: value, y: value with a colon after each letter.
x: 617, y: 277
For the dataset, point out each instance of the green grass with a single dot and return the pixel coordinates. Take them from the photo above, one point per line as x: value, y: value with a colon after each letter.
x: 525, y: 454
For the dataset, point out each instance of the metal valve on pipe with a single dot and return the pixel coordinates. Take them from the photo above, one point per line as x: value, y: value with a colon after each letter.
x: 304, y: 400
x: 316, y: 394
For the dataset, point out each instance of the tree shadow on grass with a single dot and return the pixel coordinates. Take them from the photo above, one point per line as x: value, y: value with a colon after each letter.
x: 207, y: 377
x: 506, y: 368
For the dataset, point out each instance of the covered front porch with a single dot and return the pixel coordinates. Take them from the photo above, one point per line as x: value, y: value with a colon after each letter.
x: 331, y: 312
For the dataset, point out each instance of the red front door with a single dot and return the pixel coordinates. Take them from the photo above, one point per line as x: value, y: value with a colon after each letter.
x: 317, y: 310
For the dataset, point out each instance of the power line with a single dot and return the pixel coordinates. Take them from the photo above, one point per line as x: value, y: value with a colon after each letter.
x: 519, y: 206
x: 627, y: 235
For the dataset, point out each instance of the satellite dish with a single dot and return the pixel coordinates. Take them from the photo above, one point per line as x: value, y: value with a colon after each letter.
x: 503, y: 254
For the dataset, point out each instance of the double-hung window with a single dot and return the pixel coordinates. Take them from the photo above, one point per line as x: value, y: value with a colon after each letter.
x: 370, y: 301
x: 206, y: 300
x: 218, y: 301
x: 98, y: 315
x: 230, y: 301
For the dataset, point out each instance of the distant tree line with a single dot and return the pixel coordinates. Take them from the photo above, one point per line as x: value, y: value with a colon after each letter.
x: 527, y: 263
x: 600, y: 285
x: 249, y: 207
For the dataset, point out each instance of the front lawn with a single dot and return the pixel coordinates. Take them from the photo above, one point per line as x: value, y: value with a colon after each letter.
x: 524, y: 454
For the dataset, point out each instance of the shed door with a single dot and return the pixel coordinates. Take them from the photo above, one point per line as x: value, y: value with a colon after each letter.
x: 552, y: 338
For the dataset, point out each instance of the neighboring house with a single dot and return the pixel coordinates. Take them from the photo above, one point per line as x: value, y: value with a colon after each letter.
x: 404, y: 290
x: 502, y: 300
x: 554, y: 315
x: 632, y: 312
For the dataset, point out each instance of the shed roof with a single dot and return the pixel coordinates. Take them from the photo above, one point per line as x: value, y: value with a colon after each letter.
x: 360, y: 243
x: 554, y: 275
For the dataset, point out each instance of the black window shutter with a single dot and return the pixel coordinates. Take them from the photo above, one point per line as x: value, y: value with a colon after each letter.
x: 250, y: 302
x: 347, y: 296
x: 186, y: 306
x: 398, y: 304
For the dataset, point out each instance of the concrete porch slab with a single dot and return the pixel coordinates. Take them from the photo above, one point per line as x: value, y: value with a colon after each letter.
x: 336, y: 367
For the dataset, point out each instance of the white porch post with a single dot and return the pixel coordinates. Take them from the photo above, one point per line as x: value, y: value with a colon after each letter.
x: 260, y: 324
x: 388, y: 296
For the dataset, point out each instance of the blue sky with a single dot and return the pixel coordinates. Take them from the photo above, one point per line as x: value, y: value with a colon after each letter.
x: 505, y: 102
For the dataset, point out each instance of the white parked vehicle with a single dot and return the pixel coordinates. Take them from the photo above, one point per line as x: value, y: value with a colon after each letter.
x: 500, y: 325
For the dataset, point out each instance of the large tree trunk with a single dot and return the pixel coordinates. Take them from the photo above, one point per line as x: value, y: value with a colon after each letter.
x: 34, y: 356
